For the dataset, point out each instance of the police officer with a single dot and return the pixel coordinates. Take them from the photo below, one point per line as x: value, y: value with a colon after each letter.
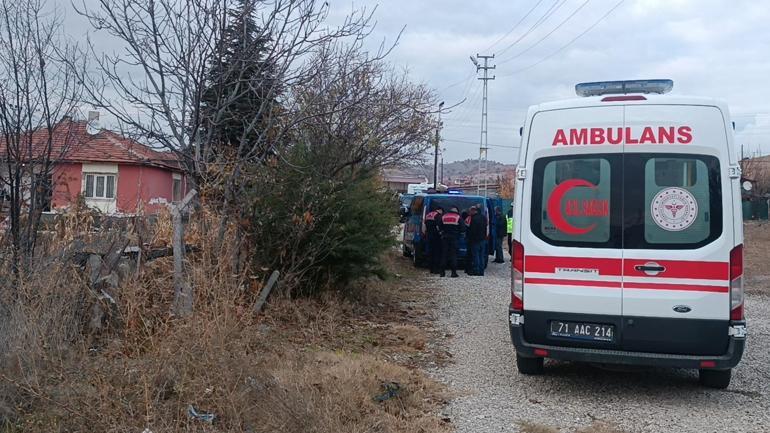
x: 477, y: 240
x: 451, y: 227
x: 433, y: 228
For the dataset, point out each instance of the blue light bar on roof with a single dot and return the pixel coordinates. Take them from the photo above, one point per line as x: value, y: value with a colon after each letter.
x: 624, y: 87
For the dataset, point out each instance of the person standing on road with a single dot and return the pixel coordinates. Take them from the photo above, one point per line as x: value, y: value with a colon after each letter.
x: 477, y: 240
x: 451, y: 227
x: 510, y: 231
x: 433, y: 228
x: 501, y: 230
x: 468, y: 253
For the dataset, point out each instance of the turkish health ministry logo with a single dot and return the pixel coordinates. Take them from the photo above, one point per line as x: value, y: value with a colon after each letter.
x: 674, y: 209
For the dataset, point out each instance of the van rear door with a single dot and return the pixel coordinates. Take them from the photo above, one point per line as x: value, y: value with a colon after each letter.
x: 572, y: 231
x: 677, y: 230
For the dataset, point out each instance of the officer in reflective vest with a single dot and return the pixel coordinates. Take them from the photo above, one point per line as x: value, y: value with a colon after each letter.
x: 452, y: 225
x: 433, y: 228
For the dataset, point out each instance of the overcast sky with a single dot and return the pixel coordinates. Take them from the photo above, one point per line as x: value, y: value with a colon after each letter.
x: 708, y: 47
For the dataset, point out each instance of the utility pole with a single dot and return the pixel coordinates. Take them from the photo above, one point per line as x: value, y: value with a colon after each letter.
x: 484, y: 139
x: 442, y: 165
x: 435, y: 149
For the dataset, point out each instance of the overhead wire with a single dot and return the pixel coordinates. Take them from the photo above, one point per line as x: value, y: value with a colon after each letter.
x: 515, y: 26
x: 548, y: 13
x: 560, y: 25
x: 565, y: 46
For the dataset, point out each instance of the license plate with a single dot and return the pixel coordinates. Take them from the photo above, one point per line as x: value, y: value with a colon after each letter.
x: 582, y: 331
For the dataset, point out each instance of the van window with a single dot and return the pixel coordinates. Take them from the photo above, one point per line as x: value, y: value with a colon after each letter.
x: 672, y: 201
x: 576, y: 202
x: 460, y: 202
x: 416, y: 208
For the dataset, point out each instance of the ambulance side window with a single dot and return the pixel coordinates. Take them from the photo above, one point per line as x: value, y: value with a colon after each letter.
x: 575, y: 201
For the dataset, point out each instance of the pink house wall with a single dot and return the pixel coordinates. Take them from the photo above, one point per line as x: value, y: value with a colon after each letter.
x: 67, y: 182
x: 150, y: 186
x: 138, y: 187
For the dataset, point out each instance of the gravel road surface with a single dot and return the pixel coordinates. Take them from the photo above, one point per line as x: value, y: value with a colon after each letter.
x: 493, y: 397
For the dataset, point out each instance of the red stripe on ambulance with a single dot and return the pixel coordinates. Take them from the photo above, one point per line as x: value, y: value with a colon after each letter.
x: 697, y: 270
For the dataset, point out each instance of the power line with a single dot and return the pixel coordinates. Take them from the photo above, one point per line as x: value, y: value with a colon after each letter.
x: 521, y: 53
x: 515, y: 26
x: 563, y: 47
x: 548, y: 13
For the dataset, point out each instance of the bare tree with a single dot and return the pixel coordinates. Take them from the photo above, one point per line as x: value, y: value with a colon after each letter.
x: 38, y: 87
x: 363, y: 115
x: 155, y: 84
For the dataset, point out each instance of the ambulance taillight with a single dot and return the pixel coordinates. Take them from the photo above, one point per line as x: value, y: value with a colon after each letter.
x: 517, y: 285
x: 736, y: 283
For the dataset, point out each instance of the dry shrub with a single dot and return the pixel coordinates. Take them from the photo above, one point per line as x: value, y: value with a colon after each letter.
x: 288, y: 370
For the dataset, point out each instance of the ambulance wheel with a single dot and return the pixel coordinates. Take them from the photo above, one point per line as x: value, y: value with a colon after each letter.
x: 406, y: 251
x: 719, y: 379
x: 531, y: 366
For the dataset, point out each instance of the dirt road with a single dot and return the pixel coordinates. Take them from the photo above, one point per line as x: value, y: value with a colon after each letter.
x: 493, y: 397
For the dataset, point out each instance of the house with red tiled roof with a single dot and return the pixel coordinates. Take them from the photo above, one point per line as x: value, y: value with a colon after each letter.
x: 113, y: 173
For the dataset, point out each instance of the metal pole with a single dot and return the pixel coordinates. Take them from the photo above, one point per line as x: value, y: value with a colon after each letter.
x: 484, y: 137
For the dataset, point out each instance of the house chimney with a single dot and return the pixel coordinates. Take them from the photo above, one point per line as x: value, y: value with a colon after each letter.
x: 93, y: 127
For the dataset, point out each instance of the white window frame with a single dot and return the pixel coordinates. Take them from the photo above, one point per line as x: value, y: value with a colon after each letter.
x: 93, y: 187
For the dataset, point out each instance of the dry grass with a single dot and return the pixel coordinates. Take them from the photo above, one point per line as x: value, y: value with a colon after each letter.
x: 757, y: 256
x: 309, y: 365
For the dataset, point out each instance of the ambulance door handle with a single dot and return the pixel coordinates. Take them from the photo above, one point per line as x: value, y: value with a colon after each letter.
x: 650, y: 268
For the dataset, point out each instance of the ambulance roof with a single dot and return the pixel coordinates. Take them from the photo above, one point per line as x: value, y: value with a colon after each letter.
x: 650, y: 99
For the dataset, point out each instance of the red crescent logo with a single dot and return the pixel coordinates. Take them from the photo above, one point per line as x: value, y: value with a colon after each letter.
x: 554, y: 207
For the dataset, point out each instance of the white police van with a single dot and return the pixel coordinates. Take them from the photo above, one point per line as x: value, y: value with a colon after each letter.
x: 629, y: 248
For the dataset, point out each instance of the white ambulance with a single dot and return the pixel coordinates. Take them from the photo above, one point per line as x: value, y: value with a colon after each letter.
x: 628, y: 247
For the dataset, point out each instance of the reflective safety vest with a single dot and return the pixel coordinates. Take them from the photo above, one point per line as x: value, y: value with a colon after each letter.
x: 510, y: 225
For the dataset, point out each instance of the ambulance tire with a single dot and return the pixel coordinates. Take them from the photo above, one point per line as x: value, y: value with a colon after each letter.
x: 719, y: 379
x: 530, y: 366
x: 406, y: 251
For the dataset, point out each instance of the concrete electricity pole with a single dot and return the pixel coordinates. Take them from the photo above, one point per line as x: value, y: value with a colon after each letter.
x: 484, y: 139
x: 435, y: 150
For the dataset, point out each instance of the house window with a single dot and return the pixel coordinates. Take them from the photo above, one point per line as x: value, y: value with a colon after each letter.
x: 100, y: 186
x: 176, y: 189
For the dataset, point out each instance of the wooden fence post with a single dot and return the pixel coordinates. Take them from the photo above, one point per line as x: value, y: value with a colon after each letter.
x: 183, y: 292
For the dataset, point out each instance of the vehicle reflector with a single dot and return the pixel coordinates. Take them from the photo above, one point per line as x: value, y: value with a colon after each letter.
x: 736, y: 283
x: 517, y: 275
x: 624, y: 98
x: 541, y: 352
x: 708, y: 364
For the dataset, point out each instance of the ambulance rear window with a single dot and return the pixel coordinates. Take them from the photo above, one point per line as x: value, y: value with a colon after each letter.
x: 678, y: 205
x: 575, y: 201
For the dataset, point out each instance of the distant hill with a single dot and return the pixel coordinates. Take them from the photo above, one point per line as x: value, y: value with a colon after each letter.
x: 468, y: 168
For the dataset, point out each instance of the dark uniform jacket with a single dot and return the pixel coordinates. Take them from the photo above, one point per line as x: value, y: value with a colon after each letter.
x: 477, y: 230
x: 452, y: 224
